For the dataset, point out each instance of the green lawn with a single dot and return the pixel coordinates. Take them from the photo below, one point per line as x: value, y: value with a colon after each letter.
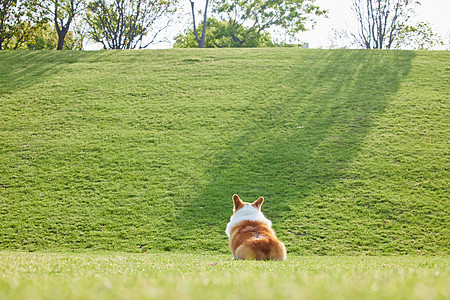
x: 142, y: 150
x: 215, y: 276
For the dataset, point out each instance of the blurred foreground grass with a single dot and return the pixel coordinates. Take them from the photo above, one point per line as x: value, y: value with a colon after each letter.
x: 216, y: 276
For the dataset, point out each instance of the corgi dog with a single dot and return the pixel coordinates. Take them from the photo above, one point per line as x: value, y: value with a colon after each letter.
x: 250, y: 233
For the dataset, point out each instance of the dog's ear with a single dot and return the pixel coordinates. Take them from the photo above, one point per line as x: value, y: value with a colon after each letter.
x: 258, y: 203
x: 238, y: 204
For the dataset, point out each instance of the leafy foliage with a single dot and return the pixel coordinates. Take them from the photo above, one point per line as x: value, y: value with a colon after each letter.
x: 221, y: 34
x: 20, y: 20
x: 260, y: 15
x: 419, y: 36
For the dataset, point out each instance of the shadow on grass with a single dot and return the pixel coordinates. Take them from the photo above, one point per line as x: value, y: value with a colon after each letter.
x: 301, y: 143
x: 23, y: 69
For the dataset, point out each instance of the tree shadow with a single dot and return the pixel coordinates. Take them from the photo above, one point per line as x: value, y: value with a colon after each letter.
x: 23, y: 69
x: 301, y: 144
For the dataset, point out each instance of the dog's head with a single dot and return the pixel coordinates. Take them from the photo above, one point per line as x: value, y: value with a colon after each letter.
x: 244, y: 211
x: 238, y: 203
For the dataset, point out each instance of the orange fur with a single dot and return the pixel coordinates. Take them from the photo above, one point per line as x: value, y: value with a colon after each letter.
x: 254, y: 239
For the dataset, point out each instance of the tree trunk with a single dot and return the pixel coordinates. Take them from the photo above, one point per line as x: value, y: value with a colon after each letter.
x: 205, y: 17
x: 61, y: 36
x: 200, y: 41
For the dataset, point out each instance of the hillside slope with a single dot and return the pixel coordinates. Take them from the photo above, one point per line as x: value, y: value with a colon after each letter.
x: 142, y: 150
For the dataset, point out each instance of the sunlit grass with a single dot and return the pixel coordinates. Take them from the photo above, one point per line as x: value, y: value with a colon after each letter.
x: 142, y: 150
x: 210, y: 276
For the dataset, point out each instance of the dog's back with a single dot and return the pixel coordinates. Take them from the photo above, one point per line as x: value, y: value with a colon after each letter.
x: 255, y: 240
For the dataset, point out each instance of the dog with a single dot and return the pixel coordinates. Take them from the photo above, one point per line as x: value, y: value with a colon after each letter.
x: 250, y: 233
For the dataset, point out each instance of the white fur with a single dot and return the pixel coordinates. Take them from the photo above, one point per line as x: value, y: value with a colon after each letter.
x: 246, y: 213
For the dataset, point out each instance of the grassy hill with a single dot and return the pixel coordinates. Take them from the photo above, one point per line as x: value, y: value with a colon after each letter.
x: 142, y: 150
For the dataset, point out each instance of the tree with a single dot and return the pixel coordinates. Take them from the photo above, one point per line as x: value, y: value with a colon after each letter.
x: 47, y: 39
x: 260, y: 15
x: 19, y: 22
x: 200, y: 41
x: 419, y: 37
x: 62, y: 12
x: 123, y: 24
x: 219, y: 35
x: 380, y: 21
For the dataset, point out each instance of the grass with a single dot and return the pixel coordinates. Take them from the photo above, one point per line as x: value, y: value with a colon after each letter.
x: 142, y: 150
x: 198, y: 276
